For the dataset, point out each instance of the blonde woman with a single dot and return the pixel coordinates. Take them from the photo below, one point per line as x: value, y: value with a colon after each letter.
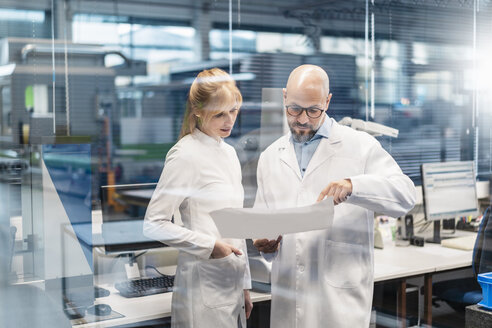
x: 202, y: 174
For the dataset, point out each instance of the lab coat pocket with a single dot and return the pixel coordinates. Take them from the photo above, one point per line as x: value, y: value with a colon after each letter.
x: 345, y: 264
x: 220, y: 280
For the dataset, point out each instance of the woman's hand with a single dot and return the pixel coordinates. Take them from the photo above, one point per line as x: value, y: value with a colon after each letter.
x: 248, y: 305
x: 222, y: 249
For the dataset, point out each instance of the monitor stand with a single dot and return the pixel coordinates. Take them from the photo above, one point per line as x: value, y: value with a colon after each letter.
x: 131, y: 268
x: 436, y: 238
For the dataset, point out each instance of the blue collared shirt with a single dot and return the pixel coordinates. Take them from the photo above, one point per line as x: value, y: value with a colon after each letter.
x: 305, y: 151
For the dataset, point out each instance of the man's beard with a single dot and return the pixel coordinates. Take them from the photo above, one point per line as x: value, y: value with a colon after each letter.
x: 305, y: 136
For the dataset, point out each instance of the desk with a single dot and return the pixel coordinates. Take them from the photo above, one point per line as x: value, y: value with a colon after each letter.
x: 140, y: 309
x: 390, y: 264
x: 401, y: 263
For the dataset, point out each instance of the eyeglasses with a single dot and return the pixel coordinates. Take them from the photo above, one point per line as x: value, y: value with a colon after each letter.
x: 311, y: 112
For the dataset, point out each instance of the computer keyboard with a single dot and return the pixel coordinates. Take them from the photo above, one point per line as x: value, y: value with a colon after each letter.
x: 145, y: 286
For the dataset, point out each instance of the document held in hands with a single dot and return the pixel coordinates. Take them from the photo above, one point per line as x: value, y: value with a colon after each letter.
x: 267, y: 223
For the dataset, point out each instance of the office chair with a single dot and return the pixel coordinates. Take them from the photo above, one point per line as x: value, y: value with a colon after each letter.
x: 460, y: 293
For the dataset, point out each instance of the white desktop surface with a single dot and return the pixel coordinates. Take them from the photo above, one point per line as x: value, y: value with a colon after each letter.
x: 394, y: 262
x: 145, y: 308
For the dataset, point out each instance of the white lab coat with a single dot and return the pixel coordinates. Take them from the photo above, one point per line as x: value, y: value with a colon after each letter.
x: 325, y: 278
x: 201, y: 174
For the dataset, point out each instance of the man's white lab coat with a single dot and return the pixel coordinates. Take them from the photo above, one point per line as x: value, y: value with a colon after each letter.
x: 325, y: 278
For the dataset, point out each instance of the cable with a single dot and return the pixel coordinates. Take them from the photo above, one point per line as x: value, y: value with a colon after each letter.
x: 132, y: 258
x: 424, y: 227
x: 136, y: 256
x: 418, y: 223
x: 155, y: 269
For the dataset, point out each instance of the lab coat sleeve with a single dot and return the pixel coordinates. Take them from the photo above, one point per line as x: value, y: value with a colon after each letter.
x: 247, y: 272
x: 178, y: 181
x: 260, y: 201
x: 383, y: 188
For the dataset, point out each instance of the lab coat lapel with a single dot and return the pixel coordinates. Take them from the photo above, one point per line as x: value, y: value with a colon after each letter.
x: 326, y: 149
x: 287, y: 155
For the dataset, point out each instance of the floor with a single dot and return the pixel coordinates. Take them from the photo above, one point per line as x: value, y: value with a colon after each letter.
x: 443, y: 316
x: 446, y: 317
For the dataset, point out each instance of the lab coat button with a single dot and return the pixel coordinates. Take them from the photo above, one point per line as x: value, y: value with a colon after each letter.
x: 301, y: 268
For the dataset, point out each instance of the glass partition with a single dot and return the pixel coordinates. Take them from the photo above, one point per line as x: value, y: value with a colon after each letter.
x: 113, y: 77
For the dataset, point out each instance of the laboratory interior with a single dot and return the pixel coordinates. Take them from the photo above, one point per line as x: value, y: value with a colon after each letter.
x: 245, y: 163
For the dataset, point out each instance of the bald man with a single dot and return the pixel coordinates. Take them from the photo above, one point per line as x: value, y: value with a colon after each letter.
x: 325, y: 278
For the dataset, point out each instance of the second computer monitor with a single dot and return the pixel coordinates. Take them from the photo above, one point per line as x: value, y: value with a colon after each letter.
x: 449, y: 190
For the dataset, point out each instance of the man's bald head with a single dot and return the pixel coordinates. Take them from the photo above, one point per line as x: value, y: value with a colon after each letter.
x: 306, y: 97
x: 309, y: 79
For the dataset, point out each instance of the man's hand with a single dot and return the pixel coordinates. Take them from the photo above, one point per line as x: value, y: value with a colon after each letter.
x: 248, y: 305
x: 340, y: 190
x: 267, y: 246
x: 222, y: 249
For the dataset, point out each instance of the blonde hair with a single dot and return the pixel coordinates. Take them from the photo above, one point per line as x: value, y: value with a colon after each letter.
x: 212, y: 91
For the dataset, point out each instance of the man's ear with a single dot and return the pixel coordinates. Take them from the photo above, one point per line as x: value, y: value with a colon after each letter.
x: 328, y: 99
x: 284, y: 92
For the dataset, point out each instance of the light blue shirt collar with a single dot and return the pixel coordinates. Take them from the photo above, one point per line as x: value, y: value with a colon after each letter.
x: 324, y: 130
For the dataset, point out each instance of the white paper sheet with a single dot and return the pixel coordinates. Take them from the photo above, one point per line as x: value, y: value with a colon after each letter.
x: 257, y: 223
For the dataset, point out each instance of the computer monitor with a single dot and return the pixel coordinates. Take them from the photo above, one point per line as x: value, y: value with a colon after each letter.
x: 123, y: 211
x: 449, y: 192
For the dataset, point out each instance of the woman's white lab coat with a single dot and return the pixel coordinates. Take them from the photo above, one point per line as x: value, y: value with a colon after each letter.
x: 325, y: 278
x: 200, y: 175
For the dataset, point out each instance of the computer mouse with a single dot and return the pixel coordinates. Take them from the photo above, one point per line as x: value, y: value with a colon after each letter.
x: 100, y: 310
